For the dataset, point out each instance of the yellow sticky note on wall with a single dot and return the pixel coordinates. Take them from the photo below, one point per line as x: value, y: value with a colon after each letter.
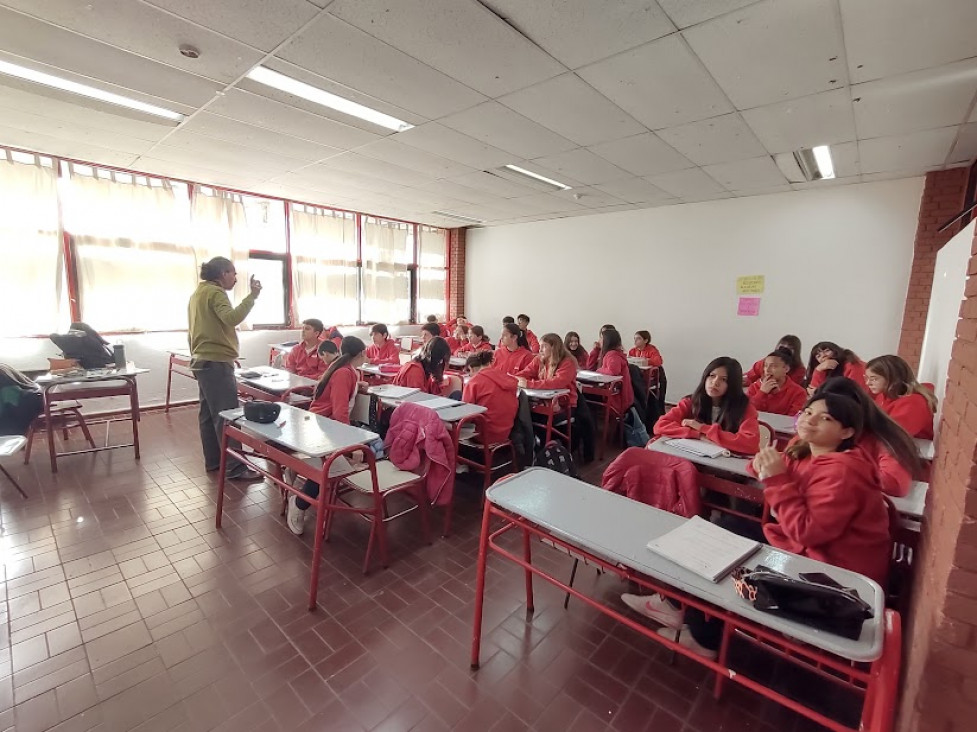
x: 749, y: 285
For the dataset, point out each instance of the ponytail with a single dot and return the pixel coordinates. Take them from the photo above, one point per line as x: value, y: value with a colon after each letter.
x: 479, y: 359
x: 351, y: 348
x: 212, y: 269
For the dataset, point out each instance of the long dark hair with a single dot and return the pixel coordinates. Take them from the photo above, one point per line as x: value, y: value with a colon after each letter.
x: 434, y: 356
x: 350, y: 348
x: 896, y: 441
x: 847, y: 411
x: 574, y: 351
x: 732, y: 406
x: 610, y: 340
x: 513, y: 329
x: 793, y: 344
x: 842, y: 356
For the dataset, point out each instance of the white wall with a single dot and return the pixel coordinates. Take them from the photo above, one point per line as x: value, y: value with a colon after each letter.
x: 836, y: 261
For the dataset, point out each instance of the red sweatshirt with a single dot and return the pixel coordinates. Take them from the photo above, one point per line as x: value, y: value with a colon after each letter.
x: 412, y: 374
x: 336, y: 397
x: 854, y: 371
x: 615, y: 363
x: 755, y: 373
x: 564, y: 378
x: 331, y: 333
x: 593, y: 358
x: 533, y: 341
x: 496, y: 392
x: 911, y: 412
x: 649, y: 352
x: 456, y: 344
x: 745, y: 441
x: 389, y: 352
x: 787, y: 399
x: 510, y: 362
x: 467, y: 349
x: 305, y: 363
x: 581, y: 356
x: 829, y: 508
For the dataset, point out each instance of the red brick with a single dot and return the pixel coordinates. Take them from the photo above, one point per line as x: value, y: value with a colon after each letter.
x: 962, y: 582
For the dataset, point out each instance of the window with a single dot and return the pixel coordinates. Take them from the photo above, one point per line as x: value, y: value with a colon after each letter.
x: 432, y: 273
x: 324, y: 266
x: 270, y: 308
x: 388, y: 252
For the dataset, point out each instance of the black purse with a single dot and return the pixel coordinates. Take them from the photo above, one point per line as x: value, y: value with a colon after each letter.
x: 812, y: 599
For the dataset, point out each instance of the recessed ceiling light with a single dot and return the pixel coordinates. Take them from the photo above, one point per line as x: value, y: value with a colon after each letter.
x: 815, y: 163
x: 537, y: 176
x: 449, y: 215
x: 39, y: 77
x: 287, y: 84
x: 823, y: 155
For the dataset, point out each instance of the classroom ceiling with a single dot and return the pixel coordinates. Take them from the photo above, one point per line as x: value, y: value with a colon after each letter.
x: 633, y: 103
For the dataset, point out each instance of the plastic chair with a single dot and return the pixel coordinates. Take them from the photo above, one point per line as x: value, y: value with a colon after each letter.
x: 64, y: 416
x: 10, y: 444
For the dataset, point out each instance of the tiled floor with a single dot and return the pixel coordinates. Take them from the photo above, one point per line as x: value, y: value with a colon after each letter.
x: 124, y: 609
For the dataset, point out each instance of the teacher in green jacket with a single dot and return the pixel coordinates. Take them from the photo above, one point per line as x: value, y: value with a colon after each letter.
x: 213, y: 351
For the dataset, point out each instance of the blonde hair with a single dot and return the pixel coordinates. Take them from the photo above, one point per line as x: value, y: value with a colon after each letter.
x: 900, y: 379
x: 558, y: 354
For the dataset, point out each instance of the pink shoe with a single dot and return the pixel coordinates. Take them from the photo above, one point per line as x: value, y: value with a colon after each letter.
x: 656, y: 608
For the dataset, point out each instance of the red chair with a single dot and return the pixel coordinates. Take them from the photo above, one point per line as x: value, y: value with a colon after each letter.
x: 474, y: 445
x: 64, y: 416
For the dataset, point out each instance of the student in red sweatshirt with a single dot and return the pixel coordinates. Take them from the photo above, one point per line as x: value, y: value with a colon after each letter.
x: 522, y: 320
x: 496, y: 392
x: 644, y: 349
x: 476, y: 342
x: 572, y: 342
x: 384, y: 348
x: 458, y: 339
x: 797, y: 371
x: 425, y: 371
x: 506, y: 320
x: 512, y: 355
x: 893, y: 385
x: 553, y: 368
x: 303, y: 359
x: 593, y: 358
x: 613, y: 362
x: 776, y: 392
x: 331, y: 333
x: 829, y: 360
x: 718, y: 411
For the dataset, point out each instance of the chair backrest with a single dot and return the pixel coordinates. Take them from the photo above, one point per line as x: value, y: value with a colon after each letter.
x: 766, y: 435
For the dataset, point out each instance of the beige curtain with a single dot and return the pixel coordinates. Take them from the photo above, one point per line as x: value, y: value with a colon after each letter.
x: 387, y: 252
x: 324, y: 271
x: 432, y: 271
x: 219, y: 228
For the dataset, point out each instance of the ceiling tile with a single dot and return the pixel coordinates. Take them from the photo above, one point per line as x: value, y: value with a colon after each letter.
x: 273, y: 115
x: 820, y: 119
x: 258, y: 23
x: 747, y: 175
x: 718, y: 140
x: 354, y: 163
x: 453, y: 189
x: 198, y: 173
x: 493, y: 182
x: 906, y: 152
x: 550, y: 203
x: 687, y: 183
x: 461, y: 39
x: 341, y: 182
x: 591, y: 197
x: 581, y: 165
x: 183, y: 146
x: 124, y: 24
x: 571, y: 32
x: 222, y: 128
x: 661, y: 84
x: 921, y: 100
x: 568, y: 106
x: 642, y: 155
x: 440, y: 140
x: 897, y: 174
x: 636, y: 190
x: 887, y: 37
x: 433, y: 166
x: 804, y: 36
x: 685, y: 13
x: 68, y: 130
x: 336, y: 51
x: 844, y: 158
x: 965, y: 148
x: 507, y: 130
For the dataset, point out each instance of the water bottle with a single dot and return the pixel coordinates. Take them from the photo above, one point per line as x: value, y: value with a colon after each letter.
x: 119, y: 354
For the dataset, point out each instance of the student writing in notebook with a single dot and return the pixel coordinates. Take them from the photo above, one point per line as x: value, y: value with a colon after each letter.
x: 894, y: 387
x: 776, y: 392
x: 384, y: 349
x: 797, y: 372
x: 718, y: 410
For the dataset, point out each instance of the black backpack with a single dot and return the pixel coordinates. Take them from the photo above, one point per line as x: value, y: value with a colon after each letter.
x: 555, y: 456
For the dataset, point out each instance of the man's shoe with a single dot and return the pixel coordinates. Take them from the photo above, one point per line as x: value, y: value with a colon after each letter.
x: 294, y: 517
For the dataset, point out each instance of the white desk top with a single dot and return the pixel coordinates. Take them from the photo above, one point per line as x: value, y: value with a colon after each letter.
x: 447, y: 414
x: 272, y: 380
x: 734, y: 465
x: 927, y: 450
x: 371, y: 368
x: 592, y: 377
x: 457, y: 361
x: 303, y: 431
x: 641, y: 363
x: 284, y: 347
x: 544, y: 393
x: 913, y: 503
x: 782, y: 424
x: 90, y: 375
x: 618, y: 530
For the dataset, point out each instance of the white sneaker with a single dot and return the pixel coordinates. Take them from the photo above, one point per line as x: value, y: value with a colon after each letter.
x: 656, y: 608
x: 685, y: 639
x: 294, y: 517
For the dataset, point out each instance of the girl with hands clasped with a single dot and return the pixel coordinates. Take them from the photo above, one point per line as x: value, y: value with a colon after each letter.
x: 776, y: 392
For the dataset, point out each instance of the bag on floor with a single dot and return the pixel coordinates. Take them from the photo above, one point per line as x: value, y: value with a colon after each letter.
x: 635, y: 434
x: 554, y: 456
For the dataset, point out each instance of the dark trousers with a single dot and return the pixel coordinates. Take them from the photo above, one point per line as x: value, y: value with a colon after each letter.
x: 311, y: 489
x: 218, y: 391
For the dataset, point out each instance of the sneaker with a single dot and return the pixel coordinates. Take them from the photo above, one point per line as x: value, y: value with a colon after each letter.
x: 685, y: 639
x: 294, y: 517
x: 655, y: 607
x: 247, y: 475
x: 461, y: 468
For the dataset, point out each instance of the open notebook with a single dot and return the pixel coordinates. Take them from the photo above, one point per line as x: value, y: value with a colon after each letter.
x: 393, y: 392
x: 704, y: 548
x: 699, y: 447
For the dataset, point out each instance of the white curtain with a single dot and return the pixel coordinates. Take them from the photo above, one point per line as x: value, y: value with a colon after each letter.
x: 219, y: 228
x: 324, y: 271
x: 32, y: 291
x: 135, y: 267
x: 387, y: 252
x: 432, y: 273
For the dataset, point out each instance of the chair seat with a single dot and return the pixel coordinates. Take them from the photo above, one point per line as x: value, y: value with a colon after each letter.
x: 9, y: 444
x: 472, y: 442
x: 64, y: 405
x: 388, y: 477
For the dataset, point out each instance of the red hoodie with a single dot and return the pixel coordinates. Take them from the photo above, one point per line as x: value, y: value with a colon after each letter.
x: 746, y: 440
x: 533, y: 341
x: 389, y: 352
x: 564, y: 378
x: 830, y: 508
x: 787, y: 399
x: 911, y: 412
x: 467, y: 349
x: 335, y: 399
x: 615, y: 363
x: 510, y: 362
x: 648, y: 352
x: 854, y: 371
x: 496, y: 392
x: 755, y: 373
x: 412, y: 375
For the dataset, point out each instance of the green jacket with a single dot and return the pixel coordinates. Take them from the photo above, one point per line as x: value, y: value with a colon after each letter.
x: 212, y: 321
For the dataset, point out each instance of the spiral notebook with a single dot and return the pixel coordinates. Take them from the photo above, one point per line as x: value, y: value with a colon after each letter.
x: 699, y: 447
x: 701, y: 547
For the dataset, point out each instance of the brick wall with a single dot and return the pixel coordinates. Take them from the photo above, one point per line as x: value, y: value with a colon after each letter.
x: 940, y: 666
x: 456, y: 272
x: 943, y: 197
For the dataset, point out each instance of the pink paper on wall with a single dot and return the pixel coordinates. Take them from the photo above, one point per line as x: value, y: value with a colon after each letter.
x: 748, y: 306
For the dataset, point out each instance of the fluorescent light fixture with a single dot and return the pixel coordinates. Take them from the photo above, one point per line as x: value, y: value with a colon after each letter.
x: 449, y: 215
x: 39, y: 77
x: 537, y: 176
x: 287, y: 84
x: 815, y: 163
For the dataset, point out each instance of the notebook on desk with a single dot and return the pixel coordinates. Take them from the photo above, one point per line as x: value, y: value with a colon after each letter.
x: 703, y: 548
x: 703, y: 448
x: 390, y: 391
x: 438, y: 403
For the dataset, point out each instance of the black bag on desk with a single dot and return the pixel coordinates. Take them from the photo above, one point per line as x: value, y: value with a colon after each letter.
x: 814, y: 600
x: 83, y: 344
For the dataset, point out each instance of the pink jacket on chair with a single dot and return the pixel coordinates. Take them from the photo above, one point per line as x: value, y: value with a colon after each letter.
x: 417, y: 432
x: 663, y: 481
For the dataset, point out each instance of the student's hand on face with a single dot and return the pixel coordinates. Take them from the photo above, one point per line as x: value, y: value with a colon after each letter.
x: 692, y: 424
x: 769, y: 463
x: 768, y: 384
x: 255, y: 286
x: 827, y: 365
